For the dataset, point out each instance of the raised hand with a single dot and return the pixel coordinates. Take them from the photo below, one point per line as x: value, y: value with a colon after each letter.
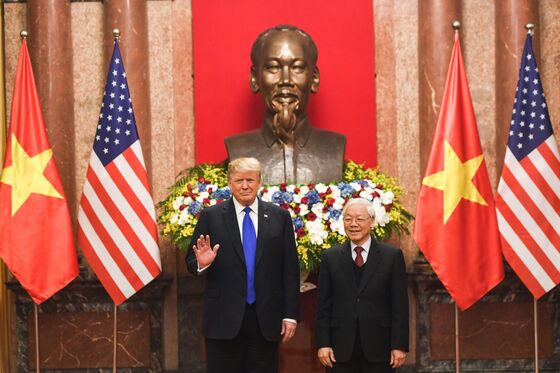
x: 205, y: 255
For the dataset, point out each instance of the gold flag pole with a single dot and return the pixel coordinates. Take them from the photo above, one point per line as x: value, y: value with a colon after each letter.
x: 116, y: 35
x: 4, y: 296
x: 456, y: 26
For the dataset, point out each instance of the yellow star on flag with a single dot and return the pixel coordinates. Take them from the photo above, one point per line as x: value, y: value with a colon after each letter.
x: 455, y: 180
x: 25, y: 175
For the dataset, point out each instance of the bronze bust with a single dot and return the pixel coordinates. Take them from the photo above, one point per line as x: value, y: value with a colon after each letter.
x: 284, y: 69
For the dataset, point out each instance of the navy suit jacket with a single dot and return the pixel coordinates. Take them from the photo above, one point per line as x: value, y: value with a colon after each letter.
x: 378, y: 306
x: 276, y: 271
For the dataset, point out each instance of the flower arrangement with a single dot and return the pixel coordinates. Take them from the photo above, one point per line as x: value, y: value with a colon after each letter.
x: 315, y: 209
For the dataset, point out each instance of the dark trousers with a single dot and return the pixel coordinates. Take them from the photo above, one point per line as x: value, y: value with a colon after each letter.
x: 248, y: 352
x: 359, y: 364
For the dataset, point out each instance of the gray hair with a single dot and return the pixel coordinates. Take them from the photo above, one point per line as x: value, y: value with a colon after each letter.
x: 362, y: 202
x: 243, y: 165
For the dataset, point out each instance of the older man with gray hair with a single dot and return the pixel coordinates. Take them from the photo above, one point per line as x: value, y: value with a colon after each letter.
x: 362, y: 308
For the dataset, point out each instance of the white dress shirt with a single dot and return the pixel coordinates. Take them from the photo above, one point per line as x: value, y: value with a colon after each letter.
x: 366, y: 245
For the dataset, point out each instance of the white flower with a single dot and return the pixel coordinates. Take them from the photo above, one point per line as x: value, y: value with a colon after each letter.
x: 203, y: 195
x: 290, y: 188
x: 321, y: 188
x: 174, y: 218
x: 214, y: 187
x: 303, y: 210
x: 356, y: 186
x: 367, y: 195
x: 317, y: 232
x: 178, y: 202
x: 381, y: 216
x: 199, y: 199
x: 183, y: 217
x: 212, y: 202
x: 338, y: 203
x: 317, y: 208
x: 337, y: 226
x: 387, y: 197
x: 297, y: 198
x: 303, y: 190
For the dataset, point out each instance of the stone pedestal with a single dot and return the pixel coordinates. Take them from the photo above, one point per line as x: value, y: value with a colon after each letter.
x: 496, y: 334
x: 76, y: 329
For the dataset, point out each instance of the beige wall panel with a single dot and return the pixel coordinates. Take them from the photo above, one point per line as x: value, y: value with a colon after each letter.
x: 406, y: 139
x: 478, y: 42
x: 549, y: 62
x: 14, y: 21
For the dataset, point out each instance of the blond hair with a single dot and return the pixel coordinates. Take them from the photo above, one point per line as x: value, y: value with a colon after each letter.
x: 243, y: 165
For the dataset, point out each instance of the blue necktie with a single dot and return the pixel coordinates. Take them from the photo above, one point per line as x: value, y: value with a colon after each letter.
x: 249, y: 249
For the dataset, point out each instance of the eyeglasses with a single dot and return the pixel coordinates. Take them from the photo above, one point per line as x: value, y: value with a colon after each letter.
x: 360, y: 220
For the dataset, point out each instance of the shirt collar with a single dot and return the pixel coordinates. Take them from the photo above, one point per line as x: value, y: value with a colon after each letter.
x: 239, y: 207
x: 366, y: 245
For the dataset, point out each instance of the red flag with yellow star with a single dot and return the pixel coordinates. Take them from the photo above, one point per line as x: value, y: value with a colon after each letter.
x: 456, y: 226
x: 36, y: 239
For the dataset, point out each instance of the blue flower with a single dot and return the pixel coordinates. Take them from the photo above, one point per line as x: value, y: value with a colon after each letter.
x: 346, y: 190
x: 287, y: 197
x: 334, y: 213
x: 313, y: 197
x: 298, y: 223
x: 201, y: 186
x: 194, y: 207
x: 223, y: 193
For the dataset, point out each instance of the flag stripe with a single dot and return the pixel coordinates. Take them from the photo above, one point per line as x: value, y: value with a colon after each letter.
x: 107, y: 269
x: 537, y: 170
x: 542, y: 242
x: 526, y: 256
x: 518, y: 179
x: 548, y: 164
x: 110, y: 178
x: 105, y: 237
x: 136, y: 161
x: 524, y: 234
x: 104, y: 197
x: 102, y: 270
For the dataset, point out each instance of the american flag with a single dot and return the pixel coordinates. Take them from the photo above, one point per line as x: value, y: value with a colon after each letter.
x: 117, y: 230
x: 528, y: 202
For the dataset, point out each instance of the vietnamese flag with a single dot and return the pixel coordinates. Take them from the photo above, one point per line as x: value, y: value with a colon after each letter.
x: 36, y: 240
x: 456, y: 226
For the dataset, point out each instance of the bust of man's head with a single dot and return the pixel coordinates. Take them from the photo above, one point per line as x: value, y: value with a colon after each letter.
x: 284, y: 69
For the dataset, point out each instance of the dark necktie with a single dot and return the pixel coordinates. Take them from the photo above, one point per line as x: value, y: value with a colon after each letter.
x: 359, y: 259
x: 249, y: 249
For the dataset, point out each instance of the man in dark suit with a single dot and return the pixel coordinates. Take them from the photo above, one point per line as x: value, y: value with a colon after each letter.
x: 362, y: 310
x: 246, y: 249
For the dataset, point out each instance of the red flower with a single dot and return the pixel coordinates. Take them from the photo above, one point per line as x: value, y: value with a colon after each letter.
x: 210, y: 190
x: 322, y: 195
x: 305, y: 200
x: 296, y: 190
x: 388, y: 207
x: 189, y: 186
x: 311, y: 216
x: 330, y: 201
x: 201, y: 179
x: 285, y: 206
x: 206, y: 201
x: 186, y: 194
x: 300, y: 232
x: 297, y: 210
x: 283, y: 187
x: 219, y: 201
x: 379, y: 186
x: 182, y: 207
x: 264, y: 191
x: 329, y: 190
x: 311, y: 186
x: 325, y: 208
x: 375, y: 194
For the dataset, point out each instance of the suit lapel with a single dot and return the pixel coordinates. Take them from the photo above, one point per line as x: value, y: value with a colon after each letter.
x: 263, y: 230
x: 346, y: 263
x: 373, y: 259
x: 230, y: 221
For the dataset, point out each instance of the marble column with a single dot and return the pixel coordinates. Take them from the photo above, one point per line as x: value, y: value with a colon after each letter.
x: 511, y: 17
x: 435, y: 41
x: 131, y: 18
x: 50, y: 49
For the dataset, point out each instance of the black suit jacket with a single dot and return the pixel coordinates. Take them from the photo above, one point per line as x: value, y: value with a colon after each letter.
x: 276, y: 271
x: 378, y: 306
